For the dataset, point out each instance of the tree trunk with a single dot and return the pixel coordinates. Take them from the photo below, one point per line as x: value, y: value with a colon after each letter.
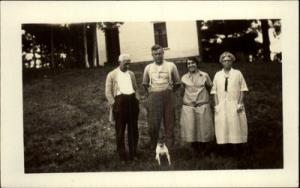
x: 95, y: 62
x: 266, y: 39
x: 52, y: 47
x: 86, y: 60
x: 34, y: 57
x: 200, y: 46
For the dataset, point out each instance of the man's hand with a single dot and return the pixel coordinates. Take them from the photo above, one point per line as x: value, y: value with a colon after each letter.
x: 217, y: 108
x: 175, y: 87
x: 111, y: 103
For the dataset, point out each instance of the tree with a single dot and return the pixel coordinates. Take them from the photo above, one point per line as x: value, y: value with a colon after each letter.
x: 266, y: 40
x: 200, y: 46
x: 86, y: 59
x: 227, y: 35
x: 95, y: 51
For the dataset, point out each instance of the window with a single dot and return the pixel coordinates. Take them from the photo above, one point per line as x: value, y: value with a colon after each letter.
x: 160, y: 34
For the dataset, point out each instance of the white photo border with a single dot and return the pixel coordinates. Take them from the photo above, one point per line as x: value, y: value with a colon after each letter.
x: 13, y: 14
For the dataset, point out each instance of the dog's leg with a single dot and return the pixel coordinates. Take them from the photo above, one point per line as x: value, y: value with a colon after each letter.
x: 158, y: 159
x: 169, y: 159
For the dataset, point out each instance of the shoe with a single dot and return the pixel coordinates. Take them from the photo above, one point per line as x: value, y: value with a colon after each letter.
x: 134, y: 157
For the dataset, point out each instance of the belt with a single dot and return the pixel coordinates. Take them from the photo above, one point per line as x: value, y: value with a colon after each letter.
x: 195, y: 105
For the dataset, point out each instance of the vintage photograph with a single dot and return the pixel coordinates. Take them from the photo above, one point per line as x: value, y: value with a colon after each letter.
x: 149, y: 94
x: 127, y: 96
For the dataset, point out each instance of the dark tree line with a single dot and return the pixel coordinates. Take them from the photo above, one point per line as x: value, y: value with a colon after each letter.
x: 237, y: 36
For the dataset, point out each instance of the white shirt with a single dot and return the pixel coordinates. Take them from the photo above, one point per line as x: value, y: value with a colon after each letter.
x: 124, y: 83
x: 161, y: 77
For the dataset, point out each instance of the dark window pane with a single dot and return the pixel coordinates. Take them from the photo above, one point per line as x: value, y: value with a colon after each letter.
x: 160, y: 34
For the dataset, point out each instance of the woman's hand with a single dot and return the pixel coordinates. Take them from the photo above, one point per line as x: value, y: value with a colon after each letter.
x: 240, y: 108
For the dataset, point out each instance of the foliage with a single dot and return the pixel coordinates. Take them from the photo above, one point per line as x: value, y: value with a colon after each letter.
x: 228, y: 35
x: 109, y: 25
x: 39, y: 38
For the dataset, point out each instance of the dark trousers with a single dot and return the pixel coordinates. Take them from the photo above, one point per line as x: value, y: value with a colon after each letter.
x: 126, y: 111
x: 161, y: 110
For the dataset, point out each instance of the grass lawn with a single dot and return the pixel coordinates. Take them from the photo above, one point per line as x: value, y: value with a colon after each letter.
x: 66, y: 125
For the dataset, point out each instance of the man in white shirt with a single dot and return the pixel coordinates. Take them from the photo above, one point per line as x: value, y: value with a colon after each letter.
x: 122, y: 95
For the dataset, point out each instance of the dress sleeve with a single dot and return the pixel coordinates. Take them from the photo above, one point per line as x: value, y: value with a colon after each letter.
x: 243, y: 84
x: 214, y: 85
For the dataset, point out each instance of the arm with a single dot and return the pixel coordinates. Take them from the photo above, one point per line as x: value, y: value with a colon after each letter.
x: 216, y: 100
x: 208, y: 83
x: 176, y: 78
x: 182, y: 90
x: 137, y: 94
x: 146, y: 80
x: 214, y: 91
x: 240, y: 106
x: 241, y: 98
x: 109, y: 90
x: 243, y: 89
x: 146, y: 89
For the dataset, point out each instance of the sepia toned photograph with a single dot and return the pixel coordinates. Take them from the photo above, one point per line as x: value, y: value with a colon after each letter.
x: 149, y: 94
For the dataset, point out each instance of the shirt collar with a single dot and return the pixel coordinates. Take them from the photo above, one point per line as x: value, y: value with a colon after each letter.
x: 229, y: 73
x: 160, y: 64
x: 122, y: 71
x: 198, y: 72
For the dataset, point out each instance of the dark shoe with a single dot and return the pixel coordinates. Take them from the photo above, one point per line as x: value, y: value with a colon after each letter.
x: 122, y: 157
x: 134, y: 156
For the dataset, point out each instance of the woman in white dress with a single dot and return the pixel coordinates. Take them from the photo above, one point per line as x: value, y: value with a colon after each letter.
x: 228, y: 88
x: 196, y: 120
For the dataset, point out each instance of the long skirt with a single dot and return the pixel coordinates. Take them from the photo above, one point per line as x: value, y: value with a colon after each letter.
x: 231, y: 126
x: 196, y: 124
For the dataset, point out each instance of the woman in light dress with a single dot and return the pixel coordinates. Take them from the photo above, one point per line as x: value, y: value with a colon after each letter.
x: 228, y: 89
x: 196, y: 120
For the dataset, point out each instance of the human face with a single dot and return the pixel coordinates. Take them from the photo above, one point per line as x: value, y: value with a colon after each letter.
x: 158, y: 55
x: 227, y: 63
x: 192, y: 66
x: 125, y: 64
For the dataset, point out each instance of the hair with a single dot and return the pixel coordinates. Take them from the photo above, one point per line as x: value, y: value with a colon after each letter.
x: 191, y: 60
x: 123, y: 56
x: 156, y: 47
x: 226, y: 54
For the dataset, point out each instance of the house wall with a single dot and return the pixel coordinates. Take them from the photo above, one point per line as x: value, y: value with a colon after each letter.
x: 182, y: 39
x: 137, y: 38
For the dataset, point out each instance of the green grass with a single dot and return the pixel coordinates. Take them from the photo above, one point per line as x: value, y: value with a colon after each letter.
x: 66, y: 125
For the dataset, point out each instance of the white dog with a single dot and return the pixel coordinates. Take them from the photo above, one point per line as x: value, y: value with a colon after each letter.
x: 161, y: 150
